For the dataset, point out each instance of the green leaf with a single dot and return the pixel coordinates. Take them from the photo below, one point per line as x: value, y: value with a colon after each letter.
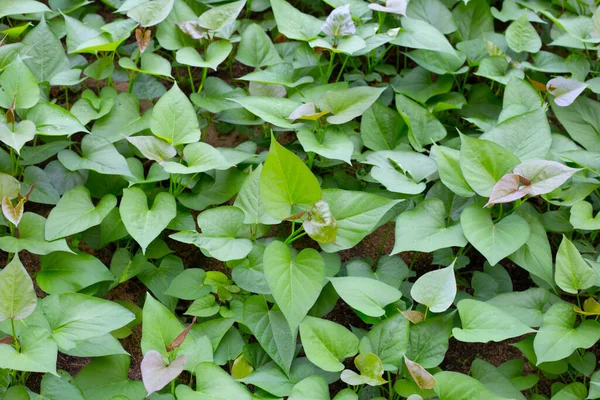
x: 423, y: 127
x: 53, y: 120
x: 522, y: 36
x: 147, y: 13
x: 213, y: 383
x: 347, y: 104
x: 73, y: 317
x: 572, y: 272
x: 527, y: 306
x: 582, y: 217
x: 429, y: 340
x: 17, y: 296
x: 335, y: 145
x: 581, y: 120
x: 270, y: 109
x: 381, y: 128
x: 31, y: 237
x: 368, y: 296
x: 219, y: 17
x: 15, y: 7
x: 357, y: 214
x: 483, y: 163
x: 188, y: 285
x: 153, y: 148
x: 145, y: 224
x: 482, y: 322
x: 202, y: 157
x: 312, y: 388
x: 256, y: 49
x: 65, y: 272
x: 388, y: 340
x: 62, y: 386
x: 174, y: 119
x: 9, y: 186
x: 453, y: 385
x: 250, y: 202
x: 327, y: 343
x: 295, y: 283
x: 16, y: 137
x: 151, y: 64
x: 160, y: 327
x: 436, y: 289
x: 38, y: 352
x: 558, y: 337
x: 215, y: 54
x: 511, y: 135
x: 494, y: 241
x: 535, y: 255
x: 418, y: 34
x: 287, y: 186
x: 271, y: 330
x: 428, y: 229
x: 401, y: 171
x: 105, y: 378
x: 371, y: 370
x: 473, y: 18
x: 18, y: 84
x: 118, y: 117
x: 293, y: 23
x: 97, y: 154
x: 448, y: 162
x: 219, y: 239
x: 494, y: 380
x: 75, y: 213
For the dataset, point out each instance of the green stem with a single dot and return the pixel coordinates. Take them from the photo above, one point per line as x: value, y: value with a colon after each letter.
x: 204, y: 73
x: 14, y: 335
x: 330, y: 68
x: 412, y: 263
x: 191, y: 78
x: 339, y: 76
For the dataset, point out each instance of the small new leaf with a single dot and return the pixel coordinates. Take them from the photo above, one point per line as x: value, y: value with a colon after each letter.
x: 155, y: 374
x: 339, y: 22
x: 321, y: 225
x: 422, y: 378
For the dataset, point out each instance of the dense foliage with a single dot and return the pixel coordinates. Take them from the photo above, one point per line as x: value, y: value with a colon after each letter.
x: 469, y: 128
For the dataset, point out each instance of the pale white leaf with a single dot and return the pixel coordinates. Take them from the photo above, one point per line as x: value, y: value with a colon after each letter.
x: 156, y: 374
x: 339, y: 22
x: 565, y: 90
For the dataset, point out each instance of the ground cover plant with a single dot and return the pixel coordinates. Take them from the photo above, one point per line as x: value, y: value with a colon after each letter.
x: 268, y: 199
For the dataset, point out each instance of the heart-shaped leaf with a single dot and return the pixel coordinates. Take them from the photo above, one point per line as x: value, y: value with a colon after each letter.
x: 153, y: 148
x: 145, y: 224
x: 436, y: 289
x: 155, y: 374
x: 371, y: 371
x: 545, y: 176
x: 219, y: 237
x: 16, y: 137
x: 287, y: 186
x: 327, y: 343
x: 295, y: 283
x: 38, y: 352
x: 367, y: 295
x: 558, y: 337
x: 19, y: 86
x: 17, y: 296
x: 31, y: 238
x: 389, y: 340
x: 482, y: 322
x: 216, y: 53
x: 174, y: 119
x: 494, y: 241
x: 428, y: 229
x: 75, y: 213
x: 582, y: 217
x: 572, y: 273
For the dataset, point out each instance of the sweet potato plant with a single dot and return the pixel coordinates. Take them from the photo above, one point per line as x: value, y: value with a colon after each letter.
x: 187, y: 188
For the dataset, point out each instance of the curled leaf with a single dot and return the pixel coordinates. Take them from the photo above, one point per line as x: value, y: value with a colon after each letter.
x: 391, y: 6
x: 193, y: 29
x: 339, y: 22
x: 564, y: 90
x: 307, y: 111
x: 181, y: 337
x: 371, y: 371
x: 590, y: 307
x: 13, y: 213
x: 241, y: 368
x: 156, y: 374
x: 321, y: 225
x: 143, y: 38
x: 509, y: 188
x: 422, y: 378
x: 413, y: 316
